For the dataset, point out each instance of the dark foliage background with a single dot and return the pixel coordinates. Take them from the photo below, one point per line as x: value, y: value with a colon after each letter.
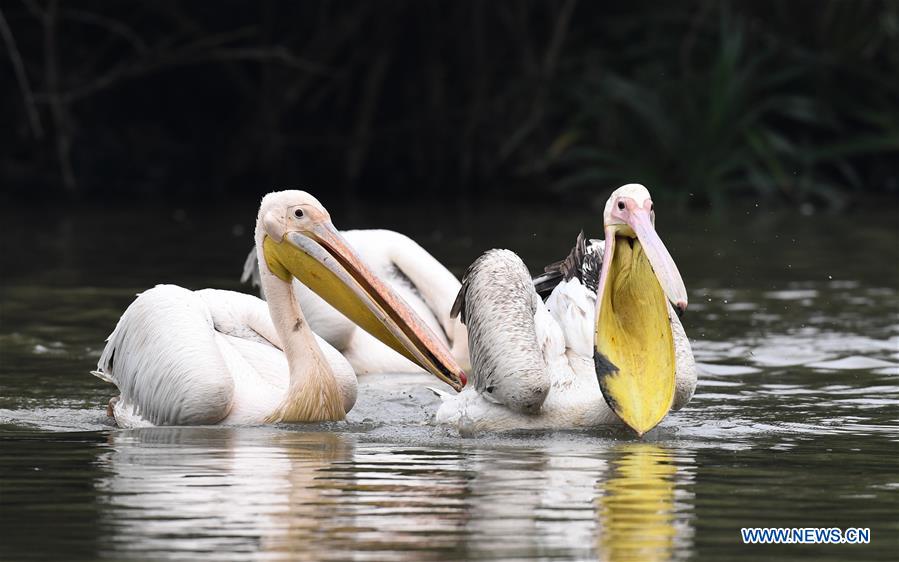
x: 705, y: 101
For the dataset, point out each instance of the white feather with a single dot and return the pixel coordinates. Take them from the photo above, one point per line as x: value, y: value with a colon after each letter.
x: 182, y: 357
x: 573, y: 307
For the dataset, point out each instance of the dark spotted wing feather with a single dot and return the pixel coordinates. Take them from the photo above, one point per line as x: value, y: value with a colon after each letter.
x: 584, y: 262
x: 459, y: 304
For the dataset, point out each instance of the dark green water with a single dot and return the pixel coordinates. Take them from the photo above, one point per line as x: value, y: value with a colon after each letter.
x: 795, y: 422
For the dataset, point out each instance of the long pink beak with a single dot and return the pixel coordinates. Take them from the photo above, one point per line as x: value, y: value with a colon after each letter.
x: 639, y: 221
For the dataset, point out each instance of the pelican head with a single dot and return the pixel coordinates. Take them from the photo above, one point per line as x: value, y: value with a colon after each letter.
x: 298, y: 240
x: 633, y: 343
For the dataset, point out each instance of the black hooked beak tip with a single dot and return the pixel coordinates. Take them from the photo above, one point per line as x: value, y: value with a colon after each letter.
x: 680, y: 307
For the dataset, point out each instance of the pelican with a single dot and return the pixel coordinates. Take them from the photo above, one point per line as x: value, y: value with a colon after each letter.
x: 424, y: 283
x: 181, y: 357
x: 606, y: 347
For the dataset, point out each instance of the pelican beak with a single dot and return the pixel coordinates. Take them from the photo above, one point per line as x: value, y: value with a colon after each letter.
x: 633, y: 343
x: 323, y: 261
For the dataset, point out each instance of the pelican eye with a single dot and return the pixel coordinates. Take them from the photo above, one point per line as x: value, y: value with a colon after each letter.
x: 621, y: 205
x: 651, y: 207
x: 298, y: 213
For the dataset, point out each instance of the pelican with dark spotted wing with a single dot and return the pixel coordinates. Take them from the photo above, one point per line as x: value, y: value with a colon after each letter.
x: 606, y: 347
x: 181, y: 357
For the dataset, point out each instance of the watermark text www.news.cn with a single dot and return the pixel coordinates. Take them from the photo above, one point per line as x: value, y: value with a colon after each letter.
x: 805, y: 535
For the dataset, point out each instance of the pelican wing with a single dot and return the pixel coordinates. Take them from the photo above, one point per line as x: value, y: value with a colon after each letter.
x: 426, y: 278
x: 501, y: 310
x: 583, y: 263
x: 179, y: 357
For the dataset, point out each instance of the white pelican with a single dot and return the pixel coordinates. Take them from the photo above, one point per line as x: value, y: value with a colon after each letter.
x: 426, y: 285
x: 605, y: 347
x: 181, y: 357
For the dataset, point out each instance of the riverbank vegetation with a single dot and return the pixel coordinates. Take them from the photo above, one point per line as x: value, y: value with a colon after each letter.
x: 707, y: 102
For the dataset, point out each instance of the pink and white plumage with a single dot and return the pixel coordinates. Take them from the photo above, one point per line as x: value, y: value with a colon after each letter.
x: 181, y: 357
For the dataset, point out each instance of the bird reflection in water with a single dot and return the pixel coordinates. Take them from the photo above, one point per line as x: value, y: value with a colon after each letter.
x: 274, y: 494
x: 640, y: 505
x: 224, y: 492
